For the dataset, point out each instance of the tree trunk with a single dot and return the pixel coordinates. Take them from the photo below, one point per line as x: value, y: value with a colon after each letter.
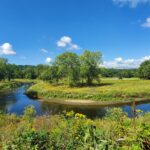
x: 89, y: 81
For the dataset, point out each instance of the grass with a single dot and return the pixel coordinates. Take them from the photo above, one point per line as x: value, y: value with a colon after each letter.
x: 108, y: 90
x: 26, y: 80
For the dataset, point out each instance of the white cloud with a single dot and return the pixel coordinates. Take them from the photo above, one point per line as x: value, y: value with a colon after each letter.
x: 6, y: 49
x: 147, y: 23
x: 118, y: 59
x: 48, y: 60
x: 44, y: 50
x: 121, y: 63
x: 131, y: 3
x: 66, y: 42
x: 73, y: 47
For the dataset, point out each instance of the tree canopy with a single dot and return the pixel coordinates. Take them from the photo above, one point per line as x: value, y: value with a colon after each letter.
x: 69, y: 67
x: 90, y: 62
x: 72, y: 69
x: 144, y: 70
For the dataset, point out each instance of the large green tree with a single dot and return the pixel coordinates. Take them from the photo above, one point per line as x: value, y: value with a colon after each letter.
x: 144, y: 70
x: 68, y: 65
x: 90, y: 62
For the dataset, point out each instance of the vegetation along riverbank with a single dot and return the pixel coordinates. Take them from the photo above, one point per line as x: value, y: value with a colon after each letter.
x: 71, y: 131
x: 109, y: 90
x: 8, y: 85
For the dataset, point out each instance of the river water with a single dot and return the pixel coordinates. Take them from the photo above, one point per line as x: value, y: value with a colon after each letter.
x: 15, y: 102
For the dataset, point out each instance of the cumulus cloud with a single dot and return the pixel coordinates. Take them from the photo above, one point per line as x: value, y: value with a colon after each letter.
x: 66, y: 42
x: 118, y: 59
x: 131, y: 3
x: 44, y: 50
x: 121, y: 63
x: 147, y: 23
x: 48, y: 60
x: 6, y: 49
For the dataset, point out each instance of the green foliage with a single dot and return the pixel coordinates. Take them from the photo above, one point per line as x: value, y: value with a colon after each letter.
x: 50, y: 74
x: 90, y: 65
x: 144, y: 136
x: 69, y: 67
x: 144, y: 70
x: 6, y: 86
x: 3, y: 64
x: 115, y: 114
x: 72, y: 131
x: 29, y: 140
x: 123, y: 73
x: 29, y: 113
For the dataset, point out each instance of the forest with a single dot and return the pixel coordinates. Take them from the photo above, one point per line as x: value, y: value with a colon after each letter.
x: 71, y: 68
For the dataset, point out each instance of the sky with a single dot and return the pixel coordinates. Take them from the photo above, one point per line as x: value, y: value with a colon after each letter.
x: 37, y: 31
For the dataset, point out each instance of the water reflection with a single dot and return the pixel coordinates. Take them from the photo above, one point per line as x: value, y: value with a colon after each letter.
x: 91, y: 112
x: 16, y: 101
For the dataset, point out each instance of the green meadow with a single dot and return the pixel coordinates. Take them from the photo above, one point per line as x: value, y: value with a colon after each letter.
x: 109, y: 89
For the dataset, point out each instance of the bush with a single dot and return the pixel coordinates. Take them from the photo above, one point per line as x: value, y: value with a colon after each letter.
x: 29, y: 140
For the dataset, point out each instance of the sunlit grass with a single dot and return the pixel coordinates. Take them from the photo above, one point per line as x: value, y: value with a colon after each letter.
x: 109, y: 89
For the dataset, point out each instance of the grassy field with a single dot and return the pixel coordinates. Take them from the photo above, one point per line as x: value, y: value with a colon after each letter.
x: 71, y: 131
x: 108, y: 90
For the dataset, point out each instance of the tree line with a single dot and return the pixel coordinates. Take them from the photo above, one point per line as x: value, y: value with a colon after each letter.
x: 71, y: 69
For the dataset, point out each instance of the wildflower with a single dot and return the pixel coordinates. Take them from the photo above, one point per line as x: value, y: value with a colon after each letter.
x: 80, y: 116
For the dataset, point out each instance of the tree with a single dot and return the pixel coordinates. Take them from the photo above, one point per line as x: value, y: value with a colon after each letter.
x: 10, y: 69
x: 50, y: 74
x: 68, y: 65
x: 90, y: 65
x: 29, y: 72
x: 144, y: 70
x: 39, y: 69
x: 3, y: 64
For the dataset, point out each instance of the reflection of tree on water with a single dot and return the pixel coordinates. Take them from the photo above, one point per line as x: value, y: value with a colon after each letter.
x: 90, y: 112
x: 3, y: 109
x: 52, y: 109
x: 6, y: 101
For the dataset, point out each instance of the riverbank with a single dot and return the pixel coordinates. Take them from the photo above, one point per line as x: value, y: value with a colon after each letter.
x: 95, y: 104
x: 110, y: 90
x: 8, y: 85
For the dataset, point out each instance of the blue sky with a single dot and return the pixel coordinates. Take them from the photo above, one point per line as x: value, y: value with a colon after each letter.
x: 36, y: 31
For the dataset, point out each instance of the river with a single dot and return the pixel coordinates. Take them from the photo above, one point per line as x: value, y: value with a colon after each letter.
x: 15, y: 102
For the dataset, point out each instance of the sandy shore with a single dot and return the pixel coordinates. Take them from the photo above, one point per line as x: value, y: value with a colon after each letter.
x: 94, y: 103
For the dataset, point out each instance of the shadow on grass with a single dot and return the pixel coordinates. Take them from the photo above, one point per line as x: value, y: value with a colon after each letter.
x: 94, y: 85
x: 82, y: 84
